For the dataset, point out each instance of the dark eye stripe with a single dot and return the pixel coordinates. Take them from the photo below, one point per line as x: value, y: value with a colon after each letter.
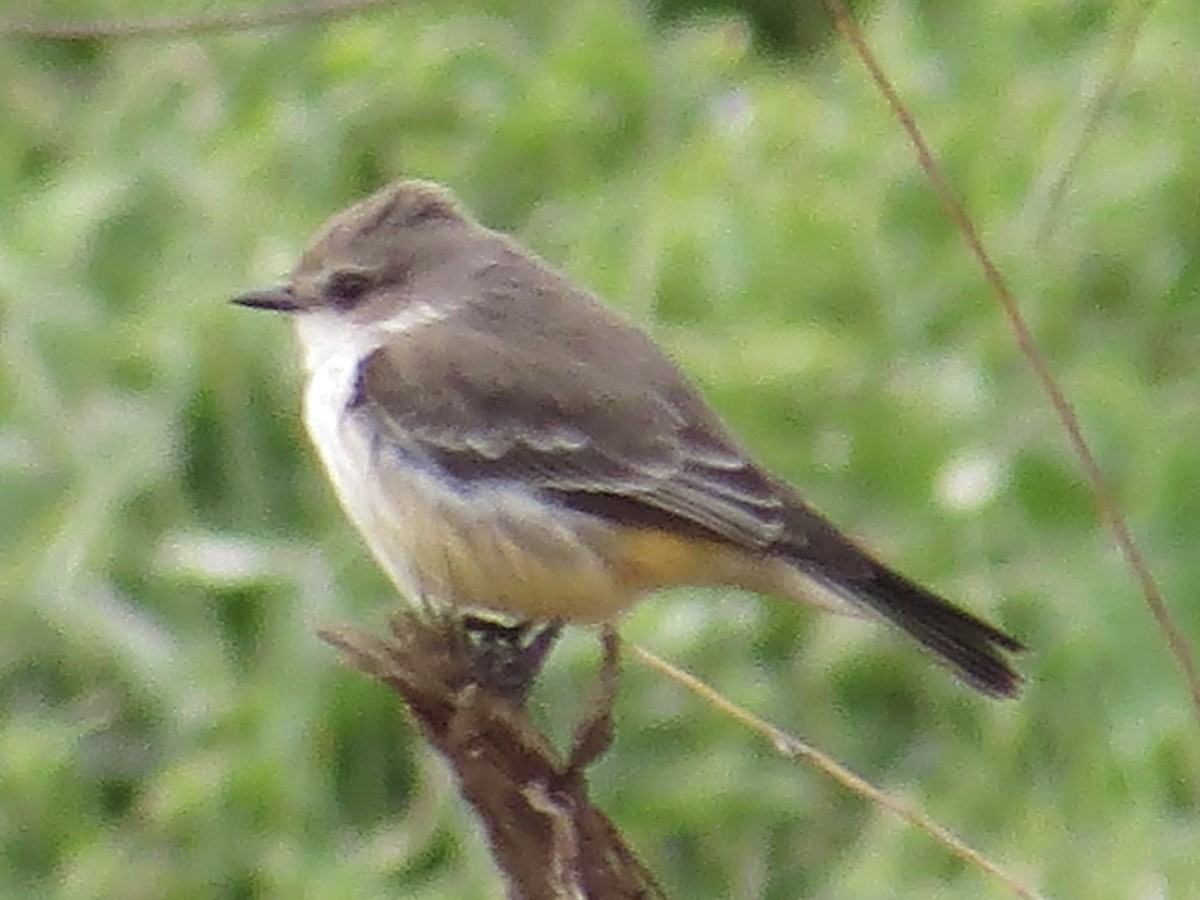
x: 346, y: 288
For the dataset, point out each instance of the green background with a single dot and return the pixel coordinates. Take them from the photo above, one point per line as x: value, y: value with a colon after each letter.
x: 171, y: 728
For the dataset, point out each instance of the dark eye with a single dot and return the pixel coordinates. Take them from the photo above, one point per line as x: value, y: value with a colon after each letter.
x: 346, y: 288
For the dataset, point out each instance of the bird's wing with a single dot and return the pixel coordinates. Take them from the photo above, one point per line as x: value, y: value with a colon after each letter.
x: 601, y: 420
x: 590, y: 412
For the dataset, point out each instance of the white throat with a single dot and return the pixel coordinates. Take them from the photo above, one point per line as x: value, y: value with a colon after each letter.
x: 329, y: 339
x: 333, y: 348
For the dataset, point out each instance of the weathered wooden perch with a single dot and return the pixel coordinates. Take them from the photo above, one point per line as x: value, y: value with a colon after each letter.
x: 544, y: 832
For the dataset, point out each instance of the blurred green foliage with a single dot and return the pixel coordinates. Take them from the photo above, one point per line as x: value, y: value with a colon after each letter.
x: 172, y: 729
x: 779, y: 27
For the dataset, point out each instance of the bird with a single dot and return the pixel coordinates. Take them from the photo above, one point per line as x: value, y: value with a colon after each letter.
x: 507, y: 442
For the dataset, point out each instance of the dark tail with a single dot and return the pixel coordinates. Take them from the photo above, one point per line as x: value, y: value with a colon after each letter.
x: 972, y: 647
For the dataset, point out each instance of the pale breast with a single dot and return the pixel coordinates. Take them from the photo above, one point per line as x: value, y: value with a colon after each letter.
x: 345, y: 452
x: 497, y: 546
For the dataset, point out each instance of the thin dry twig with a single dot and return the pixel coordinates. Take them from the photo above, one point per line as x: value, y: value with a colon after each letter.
x: 1120, y: 53
x: 1109, y: 509
x: 794, y: 748
x: 168, y: 26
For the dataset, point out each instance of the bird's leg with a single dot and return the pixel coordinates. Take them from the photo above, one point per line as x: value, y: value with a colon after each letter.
x: 594, y: 733
x: 505, y: 658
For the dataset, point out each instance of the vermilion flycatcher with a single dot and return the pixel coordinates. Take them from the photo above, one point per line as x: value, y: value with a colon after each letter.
x: 505, y: 441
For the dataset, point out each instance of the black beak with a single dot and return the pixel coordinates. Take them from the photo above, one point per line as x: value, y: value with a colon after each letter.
x: 279, y: 299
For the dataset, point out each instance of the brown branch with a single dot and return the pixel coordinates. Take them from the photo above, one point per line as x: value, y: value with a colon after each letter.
x: 159, y: 26
x: 1109, y: 509
x: 544, y: 832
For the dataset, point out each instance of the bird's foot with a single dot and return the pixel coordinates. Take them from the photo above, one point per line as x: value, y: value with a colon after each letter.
x: 594, y: 733
x: 506, y: 659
